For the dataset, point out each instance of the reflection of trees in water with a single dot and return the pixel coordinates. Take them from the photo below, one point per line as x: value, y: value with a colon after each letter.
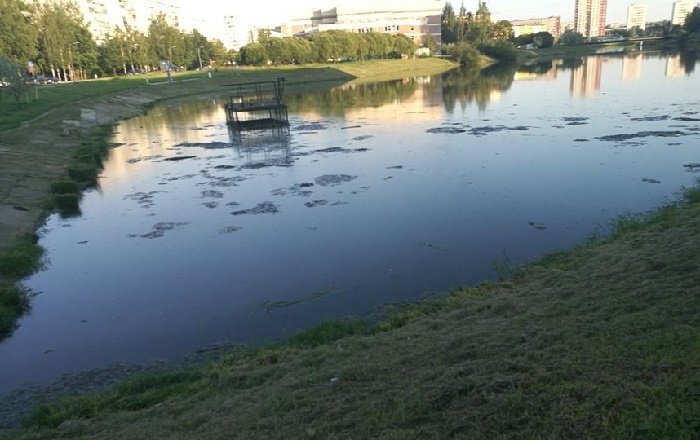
x: 163, y: 119
x: 465, y: 86
x: 688, y: 60
x: 336, y: 101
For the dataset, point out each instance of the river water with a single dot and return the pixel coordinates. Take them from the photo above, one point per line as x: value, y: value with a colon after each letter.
x: 379, y: 193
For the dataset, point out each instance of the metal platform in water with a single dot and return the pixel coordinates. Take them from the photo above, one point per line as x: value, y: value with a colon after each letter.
x: 257, y: 105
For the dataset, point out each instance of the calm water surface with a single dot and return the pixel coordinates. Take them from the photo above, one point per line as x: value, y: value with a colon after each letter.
x: 380, y: 193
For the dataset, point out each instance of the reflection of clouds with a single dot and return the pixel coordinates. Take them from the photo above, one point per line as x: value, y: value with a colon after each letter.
x: 585, y: 79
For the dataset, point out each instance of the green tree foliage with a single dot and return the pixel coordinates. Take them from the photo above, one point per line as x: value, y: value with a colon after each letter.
x: 18, y: 37
x: 330, y: 46
x: 689, y: 39
x: 449, y: 25
x: 692, y: 22
x: 543, y: 40
x: 62, y: 37
x: 253, y: 54
x: 464, y: 53
x: 166, y: 42
x: 476, y: 28
x: 503, y: 51
x: 14, y: 82
x: 571, y: 38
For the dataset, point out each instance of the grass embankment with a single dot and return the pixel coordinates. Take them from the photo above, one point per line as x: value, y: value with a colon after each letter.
x: 599, y: 342
x: 42, y: 171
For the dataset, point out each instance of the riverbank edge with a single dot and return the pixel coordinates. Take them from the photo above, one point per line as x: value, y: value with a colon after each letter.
x: 81, y: 159
x: 529, y: 56
x: 613, y: 352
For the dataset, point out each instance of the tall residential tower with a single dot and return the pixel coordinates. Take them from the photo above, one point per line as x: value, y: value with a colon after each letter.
x: 637, y: 16
x: 681, y: 9
x: 589, y: 17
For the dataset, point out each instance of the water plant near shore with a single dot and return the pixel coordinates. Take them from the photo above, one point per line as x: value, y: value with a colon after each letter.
x: 16, y: 262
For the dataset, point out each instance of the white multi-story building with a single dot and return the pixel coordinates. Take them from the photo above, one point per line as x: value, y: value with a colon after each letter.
x: 681, y: 9
x: 415, y: 19
x: 103, y: 17
x: 237, y: 31
x: 637, y: 16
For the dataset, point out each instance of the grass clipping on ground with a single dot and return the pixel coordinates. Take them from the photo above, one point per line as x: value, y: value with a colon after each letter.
x: 598, y: 342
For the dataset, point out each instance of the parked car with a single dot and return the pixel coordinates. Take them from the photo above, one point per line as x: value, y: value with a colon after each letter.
x: 136, y: 71
x: 46, y: 79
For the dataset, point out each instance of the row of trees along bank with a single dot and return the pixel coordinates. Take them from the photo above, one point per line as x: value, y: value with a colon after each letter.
x: 51, y: 38
x: 322, y: 47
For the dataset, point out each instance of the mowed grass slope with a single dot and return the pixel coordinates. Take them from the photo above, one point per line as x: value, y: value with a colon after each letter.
x: 599, y: 342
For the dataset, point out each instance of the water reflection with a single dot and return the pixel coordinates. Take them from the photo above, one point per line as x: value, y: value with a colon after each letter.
x: 585, y: 79
x: 262, y: 148
x: 462, y: 88
x: 632, y: 67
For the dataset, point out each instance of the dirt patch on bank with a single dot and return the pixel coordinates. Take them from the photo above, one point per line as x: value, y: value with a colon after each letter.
x: 35, y: 155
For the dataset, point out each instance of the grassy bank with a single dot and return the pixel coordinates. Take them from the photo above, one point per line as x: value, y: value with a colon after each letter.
x: 599, y: 342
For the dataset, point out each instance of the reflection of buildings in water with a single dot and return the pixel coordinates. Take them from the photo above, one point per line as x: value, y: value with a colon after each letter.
x: 632, y: 67
x: 262, y: 148
x: 674, y: 67
x: 549, y: 75
x: 585, y: 79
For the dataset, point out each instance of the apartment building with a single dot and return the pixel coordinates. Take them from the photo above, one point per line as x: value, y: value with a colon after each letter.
x: 637, y: 16
x: 415, y: 19
x: 536, y: 25
x: 589, y: 17
x: 681, y: 9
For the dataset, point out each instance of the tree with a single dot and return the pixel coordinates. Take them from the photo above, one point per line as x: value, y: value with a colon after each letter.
x: 503, y: 30
x: 166, y: 41
x: 430, y: 42
x: 692, y: 22
x: 503, y: 51
x: 14, y: 82
x: 61, y: 32
x: 464, y: 53
x: 571, y: 38
x: 18, y: 37
x: 449, y: 24
x: 543, y: 40
x: 253, y: 54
